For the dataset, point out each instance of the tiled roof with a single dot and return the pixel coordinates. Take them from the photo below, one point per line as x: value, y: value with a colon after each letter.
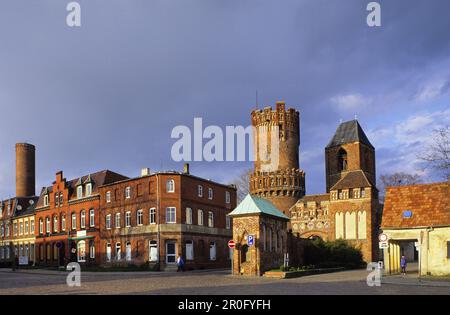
x: 256, y: 205
x: 349, y: 132
x: 429, y: 205
x: 353, y: 179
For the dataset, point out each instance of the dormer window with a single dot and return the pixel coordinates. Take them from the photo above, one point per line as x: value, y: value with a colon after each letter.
x: 45, y: 200
x: 88, y: 189
x: 80, y: 191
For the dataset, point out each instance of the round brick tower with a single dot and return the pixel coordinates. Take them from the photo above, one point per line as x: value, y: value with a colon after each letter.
x: 276, y: 138
x: 25, y: 170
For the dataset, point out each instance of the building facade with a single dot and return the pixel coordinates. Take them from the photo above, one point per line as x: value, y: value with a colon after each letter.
x: 67, y: 219
x: 349, y: 209
x: 416, y: 220
x: 156, y: 217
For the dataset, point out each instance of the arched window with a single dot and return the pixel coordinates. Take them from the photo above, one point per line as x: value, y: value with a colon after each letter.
x: 47, y: 225
x: 63, y: 222
x: 55, y: 223
x: 74, y: 221
x: 81, y: 251
x: 342, y: 160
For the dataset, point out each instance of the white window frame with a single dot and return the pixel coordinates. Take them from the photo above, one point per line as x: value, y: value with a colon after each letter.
x: 128, y: 219
x: 108, y: 196
x: 152, y: 216
x: 91, y: 217
x: 48, y: 226
x: 118, y: 252
x: 210, y: 194
x: 55, y: 223
x: 82, y: 219
x: 171, y: 215
x: 140, y: 217
x: 200, y: 190
x: 128, y: 192
x: 170, y: 186
x: 41, y: 226
x: 88, y: 189
x: 189, y: 216
x: 79, y: 191
x: 63, y: 222
x: 73, y: 220
x: 45, y: 200
x: 200, y: 217
x: 227, y: 197
x: 108, y: 221
x: 83, y: 257
x: 117, y: 220
x: 210, y: 219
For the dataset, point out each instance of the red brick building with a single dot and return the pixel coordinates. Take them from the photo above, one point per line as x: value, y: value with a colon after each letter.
x: 156, y: 217
x: 67, y: 219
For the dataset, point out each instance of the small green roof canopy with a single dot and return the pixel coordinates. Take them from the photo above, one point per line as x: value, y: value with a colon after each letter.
x: 256, y: 205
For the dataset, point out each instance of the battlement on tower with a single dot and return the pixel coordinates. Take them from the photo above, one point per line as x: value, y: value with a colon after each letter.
x: 288, y: 119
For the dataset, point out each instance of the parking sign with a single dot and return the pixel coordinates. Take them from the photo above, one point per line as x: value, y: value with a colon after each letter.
x: 250, y: 240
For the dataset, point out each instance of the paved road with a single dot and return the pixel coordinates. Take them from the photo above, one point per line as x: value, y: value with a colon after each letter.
x: 200, y: 283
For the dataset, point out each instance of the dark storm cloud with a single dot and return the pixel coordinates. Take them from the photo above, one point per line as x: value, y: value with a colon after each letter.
x: 107, y: 95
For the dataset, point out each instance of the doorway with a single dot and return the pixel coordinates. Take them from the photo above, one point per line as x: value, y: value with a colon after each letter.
x: 171, y: 252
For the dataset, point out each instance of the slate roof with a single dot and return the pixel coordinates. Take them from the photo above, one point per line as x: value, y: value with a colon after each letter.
x: 353, y: 179
x: 429, y: 205
x: 256, y: 205
x: 349, y: 132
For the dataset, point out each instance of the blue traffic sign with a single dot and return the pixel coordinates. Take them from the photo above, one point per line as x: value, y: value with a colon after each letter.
x: 250, y: 240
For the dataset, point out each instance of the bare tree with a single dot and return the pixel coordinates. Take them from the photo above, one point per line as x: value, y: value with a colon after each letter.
x: 437, y: 155
x: 242, y: 185
x: 397, y: 179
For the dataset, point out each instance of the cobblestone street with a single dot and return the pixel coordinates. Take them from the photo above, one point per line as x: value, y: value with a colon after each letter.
x: 206, y: 283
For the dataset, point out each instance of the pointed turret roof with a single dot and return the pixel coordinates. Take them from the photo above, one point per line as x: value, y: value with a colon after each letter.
x: 349, y: 132
x: 256, y: 205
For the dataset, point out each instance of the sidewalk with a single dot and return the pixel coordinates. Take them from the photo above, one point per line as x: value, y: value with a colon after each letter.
x: 413, y: 280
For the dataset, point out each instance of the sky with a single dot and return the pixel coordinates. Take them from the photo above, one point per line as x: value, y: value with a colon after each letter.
x: 107, y: 95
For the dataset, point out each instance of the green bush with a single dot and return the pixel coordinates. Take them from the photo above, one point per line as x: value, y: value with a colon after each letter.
x: 332, y: 254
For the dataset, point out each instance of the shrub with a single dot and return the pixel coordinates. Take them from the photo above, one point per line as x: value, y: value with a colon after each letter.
x: 331, y: 254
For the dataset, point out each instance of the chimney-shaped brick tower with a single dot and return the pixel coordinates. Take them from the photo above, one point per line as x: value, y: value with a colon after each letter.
x: 276, y: 140
x: 25, y: 170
